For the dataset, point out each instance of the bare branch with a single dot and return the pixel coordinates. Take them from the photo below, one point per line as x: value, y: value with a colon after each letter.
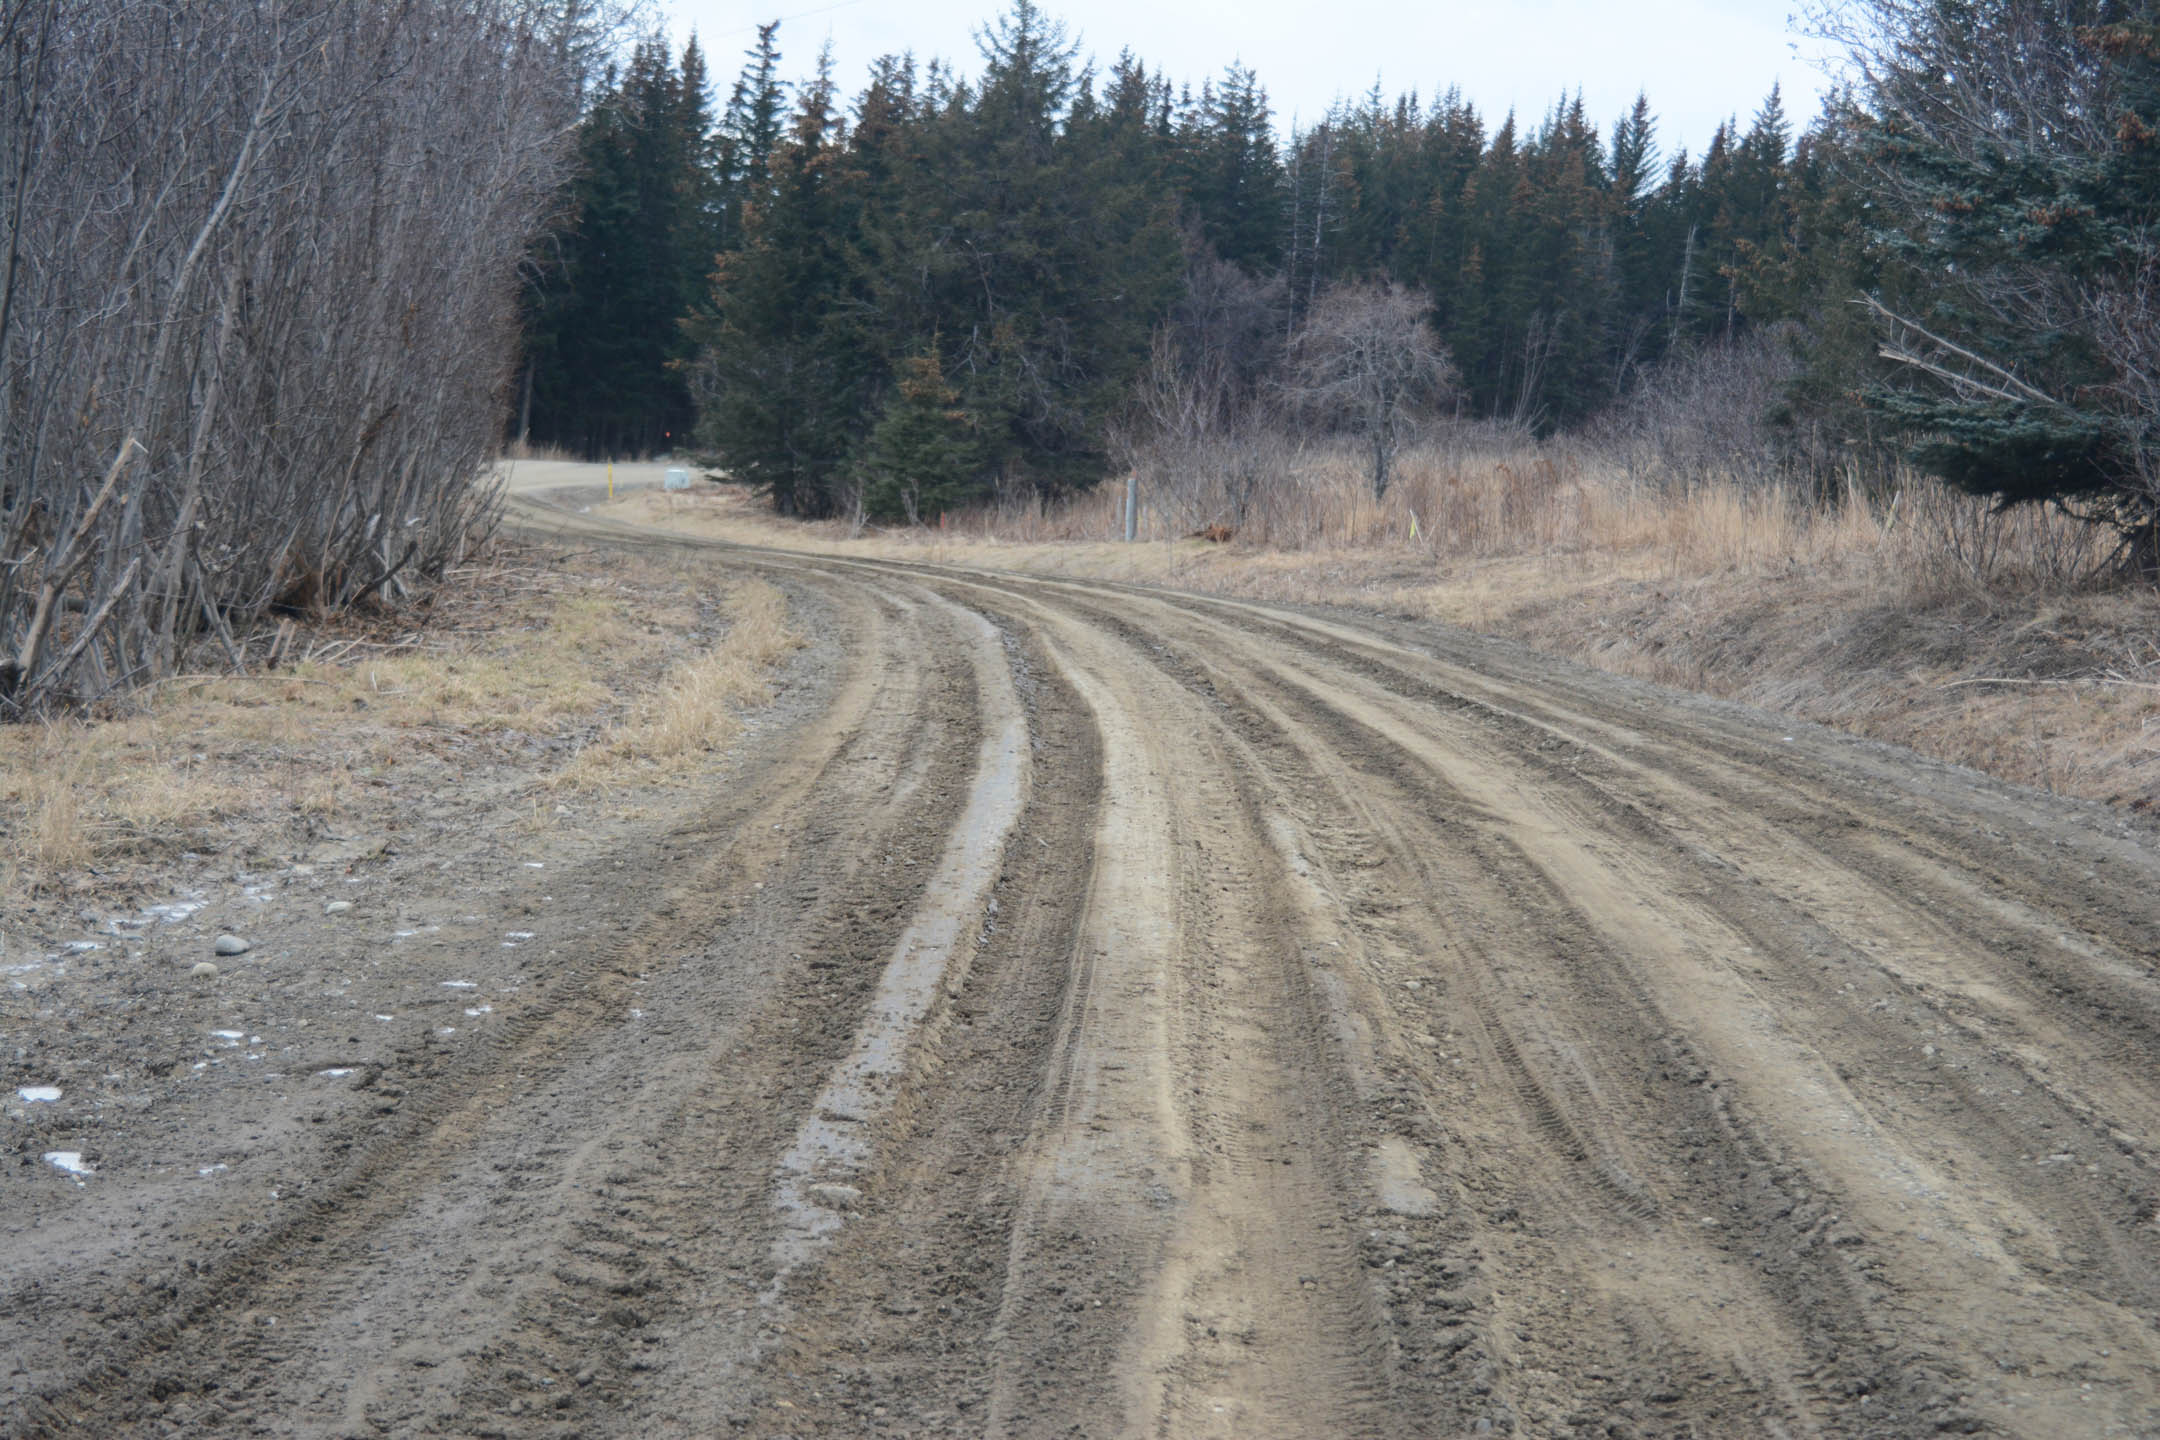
x: 1365, y: 360
x: 263, y: 260
x: 2005, y: 385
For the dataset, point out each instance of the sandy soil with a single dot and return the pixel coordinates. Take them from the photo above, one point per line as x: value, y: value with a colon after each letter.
x: 1080, y: 1009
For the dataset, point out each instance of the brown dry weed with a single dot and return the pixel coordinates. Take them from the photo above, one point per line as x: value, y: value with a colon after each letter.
x: 526, y: 661
x: 697, y: 708
x: 1913, y: 616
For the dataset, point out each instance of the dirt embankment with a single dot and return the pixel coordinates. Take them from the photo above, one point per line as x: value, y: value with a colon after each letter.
x: 1071, y: 1008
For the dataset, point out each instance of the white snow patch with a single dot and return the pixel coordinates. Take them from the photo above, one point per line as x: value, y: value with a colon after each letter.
x: 34, y: 1094
x: 71, y: 1161
x: 461, y: 984
x: 208, y: 1170
x: 336, y: 1073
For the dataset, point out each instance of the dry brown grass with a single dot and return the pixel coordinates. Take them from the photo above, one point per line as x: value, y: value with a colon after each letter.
x: 79, y: 795
x: 696, y: 709
x: 46, y: 792
x: 1891, y: 615
x: 524, y: 664
x: 526, y: 450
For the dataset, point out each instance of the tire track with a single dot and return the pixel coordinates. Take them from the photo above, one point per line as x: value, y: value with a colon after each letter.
x: 1428, y: 872
x: 1344, y: 1028
x: 1606, y: 902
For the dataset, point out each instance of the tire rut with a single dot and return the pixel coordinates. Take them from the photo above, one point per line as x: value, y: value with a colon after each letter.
x: 1636, y: 845
x: 1341, y: 1027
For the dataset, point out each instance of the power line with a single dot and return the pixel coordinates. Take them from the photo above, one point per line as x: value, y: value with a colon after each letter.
x: 803, y: 15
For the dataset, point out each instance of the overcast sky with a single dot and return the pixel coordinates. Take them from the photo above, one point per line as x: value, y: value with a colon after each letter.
x: 1699, y: 60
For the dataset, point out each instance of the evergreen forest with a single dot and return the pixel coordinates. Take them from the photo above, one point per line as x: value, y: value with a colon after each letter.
x: 949, y: 286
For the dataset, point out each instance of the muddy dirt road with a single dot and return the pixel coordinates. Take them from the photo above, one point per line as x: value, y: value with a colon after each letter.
x: 1110, y: 1013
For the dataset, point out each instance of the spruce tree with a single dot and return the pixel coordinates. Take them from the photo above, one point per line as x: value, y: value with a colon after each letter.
x: 2027, y: 360
x: 782, y: 370
x: 1637, y: 326
x: 1041, y: 240
x: 1033, y: 223
x: 925, y: 457
x: 1236, y: 175
x: 749, y: 132
x: 604, y: 341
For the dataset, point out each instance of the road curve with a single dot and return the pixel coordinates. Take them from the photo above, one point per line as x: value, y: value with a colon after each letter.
x: 1112, y: 1012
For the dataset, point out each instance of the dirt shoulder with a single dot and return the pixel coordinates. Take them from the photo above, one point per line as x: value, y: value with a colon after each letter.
x: 410, y: 832
x: 2060, y: 691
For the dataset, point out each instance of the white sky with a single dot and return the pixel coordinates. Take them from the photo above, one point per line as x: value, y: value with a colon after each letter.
x: 1699, y: 60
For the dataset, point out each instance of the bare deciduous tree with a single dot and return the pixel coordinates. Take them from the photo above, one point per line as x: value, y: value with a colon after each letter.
x: 1366, y: 361
x: 257, y: 305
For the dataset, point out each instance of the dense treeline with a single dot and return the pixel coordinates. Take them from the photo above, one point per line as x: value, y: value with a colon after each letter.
x: 604, y: 317
x: 953, y: 287
x: 1017, y: 236
x: 259, y: 268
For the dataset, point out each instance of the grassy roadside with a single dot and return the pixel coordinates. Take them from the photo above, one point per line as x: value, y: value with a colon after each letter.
x: 1917, y: 622
x: 696, y: 708
x: 601, y: 674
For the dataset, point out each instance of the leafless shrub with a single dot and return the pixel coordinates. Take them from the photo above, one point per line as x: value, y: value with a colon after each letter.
x: 1943, y: 541
x: 1229, y: 325
x: 257, y: 268
x: 1366, y: 362
x: 1203, y: 449
x: 1198, y: 435
x: 1704, y: 415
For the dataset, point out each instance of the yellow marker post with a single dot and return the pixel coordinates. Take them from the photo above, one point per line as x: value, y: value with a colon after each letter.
x: 610, y: 479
